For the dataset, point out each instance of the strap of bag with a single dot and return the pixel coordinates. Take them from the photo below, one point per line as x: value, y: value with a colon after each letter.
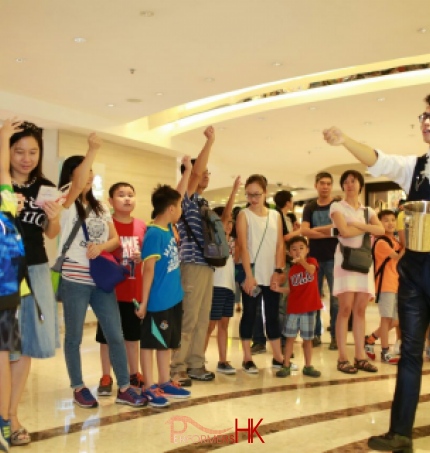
x: 74, y: 232
x: 380, y: 272
x: 366, y: 238
x: 262, y: 239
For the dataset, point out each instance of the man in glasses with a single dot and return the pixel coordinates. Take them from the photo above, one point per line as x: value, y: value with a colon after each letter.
x: 413, y: 175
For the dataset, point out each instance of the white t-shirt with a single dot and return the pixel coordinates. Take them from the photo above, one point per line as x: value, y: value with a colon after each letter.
x: 224, y: 276
x: 98, y: 231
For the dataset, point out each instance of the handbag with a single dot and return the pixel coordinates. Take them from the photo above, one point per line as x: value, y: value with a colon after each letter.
x: 105, y: 270
x: 239, y: 271
x: 58, y: 265
x: 358, y: 259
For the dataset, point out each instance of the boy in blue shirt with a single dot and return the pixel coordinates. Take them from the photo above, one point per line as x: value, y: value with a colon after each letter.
x: 161, y: 306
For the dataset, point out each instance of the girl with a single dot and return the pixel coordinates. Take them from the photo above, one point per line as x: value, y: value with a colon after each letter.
x: 353, y: 289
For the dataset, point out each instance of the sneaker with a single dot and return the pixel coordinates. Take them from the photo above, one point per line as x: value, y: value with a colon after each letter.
x: 225, y: 368
x: 386, y: 357
x: 258, y: 348
x: 136, y: 380
x: 249, y: 367
x: 5, y: 434
x: 396, y: 347
x: 389, y: 442
x: 200, y: 374
x: 131, y: 398
x: 316, y: 341
x: 84, y: 398
x: 181, y: 378
x: 311, y: 371
x: 105, y: 386
x: 276, y: 364
x: 370, y: 351
x: 285, y: 371
x: 155, y: 397
x: 174, y: 390
x: 333, y: 345
x: 293, y: 366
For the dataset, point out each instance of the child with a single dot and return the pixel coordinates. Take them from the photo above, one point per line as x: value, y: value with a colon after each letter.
x: 387, y: 251
x: 161, y: 307
x: 224, y: 290
x: 303, y: 302
x: 9, y: 332
x: 122, y: 198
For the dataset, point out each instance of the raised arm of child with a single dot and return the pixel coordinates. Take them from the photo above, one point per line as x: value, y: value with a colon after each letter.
x: 183, y: 183
x: 10, y: 127
x: 226, y: 215
x: 310, y: 268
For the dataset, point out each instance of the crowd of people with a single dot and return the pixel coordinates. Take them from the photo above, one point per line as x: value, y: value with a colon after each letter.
x: 173, y: 298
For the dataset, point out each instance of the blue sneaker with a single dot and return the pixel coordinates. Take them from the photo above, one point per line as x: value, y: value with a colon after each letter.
x: 155, y: 397
x: 84, y: 398
x: 5, y: 433
x: 174, y: 390
x: 131, y: 398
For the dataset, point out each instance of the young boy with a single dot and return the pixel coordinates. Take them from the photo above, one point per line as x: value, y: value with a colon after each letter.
x: 131, y: 231
x: 387, y: 250
x: 161, y: 307
x: 303, y: 302
x: 9, y: 332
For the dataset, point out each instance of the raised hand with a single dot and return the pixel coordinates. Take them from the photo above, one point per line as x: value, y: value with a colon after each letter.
x: 94, y: 142
x: 237, y: 184
x: 334, y: 136
x: 10, y: 127
x: 209, y: 133
x: 186, y: 162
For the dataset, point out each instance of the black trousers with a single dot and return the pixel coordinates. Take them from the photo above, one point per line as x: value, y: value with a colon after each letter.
x: 414, y: 318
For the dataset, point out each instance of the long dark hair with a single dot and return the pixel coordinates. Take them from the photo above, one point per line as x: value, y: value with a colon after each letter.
x: 67, y: 170
x: 30, y: 130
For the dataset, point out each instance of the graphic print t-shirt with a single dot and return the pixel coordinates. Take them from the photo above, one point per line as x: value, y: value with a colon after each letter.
x: 304, y: 296
x: 131, y: 239
x: 166, y: 289
x: 33, y: 220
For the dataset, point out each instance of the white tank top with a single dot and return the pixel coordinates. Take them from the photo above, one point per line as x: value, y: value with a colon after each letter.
x: 266, y: 259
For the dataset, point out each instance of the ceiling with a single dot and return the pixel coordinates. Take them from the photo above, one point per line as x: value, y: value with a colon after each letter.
x: 191, y: 50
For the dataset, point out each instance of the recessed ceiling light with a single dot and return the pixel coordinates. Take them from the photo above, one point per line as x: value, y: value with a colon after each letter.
x: 135, y: 100
x: 110, y: 105
x: 381, y: 99
x: 277, y: 63
x: 20, y: 60
x: 209, y: 79
x: 79, y: 40
x: 159, y: 94
x: 422, y: 30
x: 261, y: 118
x: 222, y: 128
x: 368, y: 123
x: 147, y: 13
x: 312, y: 107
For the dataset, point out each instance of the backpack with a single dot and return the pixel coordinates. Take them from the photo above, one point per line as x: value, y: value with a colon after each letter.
x: 215, y: 249
x: 12, y: 266
x: 380, y: 271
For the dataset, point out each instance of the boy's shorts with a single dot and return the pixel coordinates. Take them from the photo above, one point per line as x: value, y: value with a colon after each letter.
x: 387, y: 305
x: 10, y: 339
x: 130, y: 324
x: 161, y: 330
x: 300, y: 322
x: 222, y: 303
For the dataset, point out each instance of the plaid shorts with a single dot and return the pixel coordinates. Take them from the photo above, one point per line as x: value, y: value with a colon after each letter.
x: 301, y: 322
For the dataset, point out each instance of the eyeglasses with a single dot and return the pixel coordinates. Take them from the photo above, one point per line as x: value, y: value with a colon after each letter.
x: 253, y: 195
x: 424, y: 116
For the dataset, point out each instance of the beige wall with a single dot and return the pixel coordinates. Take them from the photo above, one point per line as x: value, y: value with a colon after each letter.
x: 143, y: 169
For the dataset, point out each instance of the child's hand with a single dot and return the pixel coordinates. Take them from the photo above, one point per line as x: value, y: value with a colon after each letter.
x: 93, y: 250
x: 237, y: 184
x: 135, y: 256
x: 94, y: 142
x: 141, y: 313
x: 10, y: 127
x: 186, y: 162
x: 209, y: 133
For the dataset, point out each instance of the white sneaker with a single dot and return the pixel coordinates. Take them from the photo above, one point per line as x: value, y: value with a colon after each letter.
x: 293, y: 366
x: 396, y: 347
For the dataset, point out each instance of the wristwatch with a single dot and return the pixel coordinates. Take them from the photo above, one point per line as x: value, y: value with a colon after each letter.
x: 278, y: 270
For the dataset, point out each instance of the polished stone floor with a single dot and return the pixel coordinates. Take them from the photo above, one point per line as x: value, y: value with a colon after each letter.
x: 335, y: 413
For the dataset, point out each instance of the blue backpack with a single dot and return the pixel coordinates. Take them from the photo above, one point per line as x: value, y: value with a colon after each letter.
x: 12, y: 267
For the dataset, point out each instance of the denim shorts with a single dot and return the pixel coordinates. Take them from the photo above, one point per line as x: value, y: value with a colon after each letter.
x: 39, y: 339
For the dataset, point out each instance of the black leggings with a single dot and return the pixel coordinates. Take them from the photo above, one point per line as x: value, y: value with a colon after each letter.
x: 271, y: 312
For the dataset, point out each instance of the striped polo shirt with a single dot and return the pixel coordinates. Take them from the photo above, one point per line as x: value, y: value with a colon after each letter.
x: 189, y: 251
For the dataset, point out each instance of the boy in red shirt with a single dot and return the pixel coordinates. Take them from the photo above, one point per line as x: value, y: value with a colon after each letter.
x: 122, y: 198
x: 303, y: 302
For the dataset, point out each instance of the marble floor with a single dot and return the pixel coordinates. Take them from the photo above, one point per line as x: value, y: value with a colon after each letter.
x: 335, y: 413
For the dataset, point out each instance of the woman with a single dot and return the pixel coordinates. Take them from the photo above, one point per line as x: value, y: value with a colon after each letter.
x: 353, y: 289
x: 77, y: 289
x: 39, y: 340
x: 259, y: 233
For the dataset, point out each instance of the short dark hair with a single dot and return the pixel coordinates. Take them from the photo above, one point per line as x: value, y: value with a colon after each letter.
x: 385, y: 212
x: 193, y: 161
x: 258, y: 179
x: 427, y: 99
x: 114, y: 187
x: 323, y: 174
x: 282, y: 197
x: 31, y: 130
x: 219, y: 210
x: 162, y: 197
x: 356, y: 174
x: 295, y: 239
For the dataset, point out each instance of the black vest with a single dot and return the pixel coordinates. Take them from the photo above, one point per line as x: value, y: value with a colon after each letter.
x: 420, y: 185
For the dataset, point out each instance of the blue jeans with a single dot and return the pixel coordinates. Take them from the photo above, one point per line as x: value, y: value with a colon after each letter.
x: 76, y: 297
x: 326, y: 269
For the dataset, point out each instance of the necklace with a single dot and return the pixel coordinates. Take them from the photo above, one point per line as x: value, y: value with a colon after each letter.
x: 24, y: 185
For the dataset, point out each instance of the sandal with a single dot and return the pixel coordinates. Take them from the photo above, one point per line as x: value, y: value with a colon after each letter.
x: 365, y: 365
x: 20, y: 437
x: 345, y: 367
